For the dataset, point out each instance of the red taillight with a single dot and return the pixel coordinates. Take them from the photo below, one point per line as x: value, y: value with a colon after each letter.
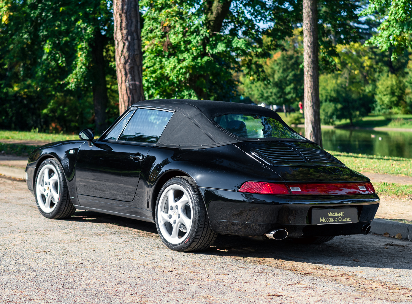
x: 307, y: 189
x: 264, y: 188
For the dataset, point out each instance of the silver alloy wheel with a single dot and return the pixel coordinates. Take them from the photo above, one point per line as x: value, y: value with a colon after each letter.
x: 175, y: 214
x: 47, y: 188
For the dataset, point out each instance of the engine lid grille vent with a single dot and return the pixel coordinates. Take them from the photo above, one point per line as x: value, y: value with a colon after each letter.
x: 295, y: 153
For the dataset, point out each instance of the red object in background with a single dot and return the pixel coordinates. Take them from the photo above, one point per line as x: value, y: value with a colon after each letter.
x: 300, y: 107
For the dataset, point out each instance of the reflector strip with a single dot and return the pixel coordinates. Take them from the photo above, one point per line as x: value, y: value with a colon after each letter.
x: 307, y: 189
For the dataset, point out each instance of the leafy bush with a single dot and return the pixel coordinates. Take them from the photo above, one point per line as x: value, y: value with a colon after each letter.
x: 391, y: 95
x: 340, y: 100
x: 295, y: 118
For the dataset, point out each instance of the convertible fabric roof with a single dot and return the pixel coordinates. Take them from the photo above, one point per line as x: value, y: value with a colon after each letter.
x: 192, y: 126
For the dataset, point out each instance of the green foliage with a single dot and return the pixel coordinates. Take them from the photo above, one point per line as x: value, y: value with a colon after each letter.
x: 282, y: 82
x: 390, y: 95
x: 395, y: 30
x: 295, y: 118
x: 339, y: 100
x: 187, y: 54
x: 46, y: 62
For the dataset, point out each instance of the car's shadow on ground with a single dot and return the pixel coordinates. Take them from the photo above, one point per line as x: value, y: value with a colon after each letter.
x: 352, y: 251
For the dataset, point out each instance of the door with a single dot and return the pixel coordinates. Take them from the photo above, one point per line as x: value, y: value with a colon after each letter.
x: 108, y: 170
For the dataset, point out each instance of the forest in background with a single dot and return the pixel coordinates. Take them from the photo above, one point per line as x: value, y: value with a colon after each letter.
x: 57, y: 58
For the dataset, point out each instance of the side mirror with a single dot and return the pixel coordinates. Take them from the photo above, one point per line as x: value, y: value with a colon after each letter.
x: 86, y: 134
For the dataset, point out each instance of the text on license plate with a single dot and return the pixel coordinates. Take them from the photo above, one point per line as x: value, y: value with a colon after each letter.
x: 334, y: 216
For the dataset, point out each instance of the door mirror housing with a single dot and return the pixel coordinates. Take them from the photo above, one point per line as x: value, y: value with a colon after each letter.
x: 86, y: 134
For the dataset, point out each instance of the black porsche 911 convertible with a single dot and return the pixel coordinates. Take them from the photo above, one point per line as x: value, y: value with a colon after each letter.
x: 202, y: 168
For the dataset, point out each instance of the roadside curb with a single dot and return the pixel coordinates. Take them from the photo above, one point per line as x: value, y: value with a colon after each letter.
x: 392, y: 228
x: 12, y: 172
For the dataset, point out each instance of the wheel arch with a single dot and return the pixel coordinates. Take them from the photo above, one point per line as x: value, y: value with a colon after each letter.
x: 39, y: 162
x: 159, y: 184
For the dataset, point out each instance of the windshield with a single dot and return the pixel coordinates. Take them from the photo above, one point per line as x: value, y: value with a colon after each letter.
x: 255, y: 126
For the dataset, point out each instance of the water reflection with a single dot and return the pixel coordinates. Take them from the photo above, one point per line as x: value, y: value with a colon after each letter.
x: 391, y: 143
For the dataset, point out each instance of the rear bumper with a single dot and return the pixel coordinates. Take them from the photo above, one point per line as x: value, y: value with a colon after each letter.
x: 248, y: 214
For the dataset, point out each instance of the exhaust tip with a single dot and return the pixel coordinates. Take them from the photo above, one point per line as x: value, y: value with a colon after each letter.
x: 366, y: 229
x: 278, y: 234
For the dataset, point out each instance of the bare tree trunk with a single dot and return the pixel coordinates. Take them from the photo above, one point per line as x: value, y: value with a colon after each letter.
x: 128, y: 52
x: 99, y: 86
x: 311, y: 72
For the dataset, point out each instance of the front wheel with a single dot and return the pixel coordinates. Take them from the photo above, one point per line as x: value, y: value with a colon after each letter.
x: 181, y: 217
x: 52, y: 196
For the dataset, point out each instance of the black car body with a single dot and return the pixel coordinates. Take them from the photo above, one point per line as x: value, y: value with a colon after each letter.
x: 248, y: 186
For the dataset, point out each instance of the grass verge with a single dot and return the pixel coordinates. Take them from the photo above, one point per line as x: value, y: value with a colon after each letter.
x: 21, y: 135
x: 375, y: 121
x: 392, y: 189
x: 375, y: 164
x: 16, y: 149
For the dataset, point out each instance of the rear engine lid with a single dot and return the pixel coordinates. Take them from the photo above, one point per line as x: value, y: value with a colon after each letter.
x: 299, y: 161
x: 285, y: 153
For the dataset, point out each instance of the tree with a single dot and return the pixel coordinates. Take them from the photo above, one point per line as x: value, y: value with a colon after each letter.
x: 56, y: 46
x: 395, y: 30
x: 282, y: 82
x: 311, y: 72
x: 192, y: 48
x: 128, y: 52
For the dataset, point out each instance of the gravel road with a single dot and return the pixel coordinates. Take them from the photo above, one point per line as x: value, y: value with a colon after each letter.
x: 95, y: 258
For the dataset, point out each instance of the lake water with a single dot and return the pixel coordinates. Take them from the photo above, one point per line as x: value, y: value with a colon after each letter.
x: 380, y: 143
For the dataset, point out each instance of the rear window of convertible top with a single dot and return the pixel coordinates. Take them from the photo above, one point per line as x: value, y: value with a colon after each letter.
x: 255, y: 126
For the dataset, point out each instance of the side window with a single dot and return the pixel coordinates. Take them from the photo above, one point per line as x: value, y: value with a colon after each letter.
x: 146, y: 126
x: 115, y: 132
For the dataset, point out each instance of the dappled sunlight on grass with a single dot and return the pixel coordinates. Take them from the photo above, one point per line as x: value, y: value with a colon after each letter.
x: 375, y: 164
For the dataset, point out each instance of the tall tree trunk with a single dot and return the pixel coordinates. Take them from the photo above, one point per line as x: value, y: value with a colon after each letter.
x: 100, y: 98
x: 311, y: 72
x: 128, y: 52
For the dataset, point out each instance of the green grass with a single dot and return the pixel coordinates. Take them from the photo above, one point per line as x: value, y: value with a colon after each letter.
x: 16, y: 149
x: 35, y: 136
x: 374, y: 121
x: 375, y: 164
x: 371, y: 121
x: 391, y: 189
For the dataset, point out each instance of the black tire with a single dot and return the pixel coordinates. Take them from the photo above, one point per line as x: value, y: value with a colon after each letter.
x: 313, y: 239
x: 54, y: 185
x: 175, y: 215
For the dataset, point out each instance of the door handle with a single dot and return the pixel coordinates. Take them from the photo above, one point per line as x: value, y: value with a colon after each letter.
x: 137, y: 157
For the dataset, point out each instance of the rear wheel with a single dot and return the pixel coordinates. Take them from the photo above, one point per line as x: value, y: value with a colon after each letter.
x: 52, y: 196
x: 181, y: 217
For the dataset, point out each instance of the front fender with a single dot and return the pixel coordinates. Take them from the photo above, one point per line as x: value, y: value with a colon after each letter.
x: 66, y: 153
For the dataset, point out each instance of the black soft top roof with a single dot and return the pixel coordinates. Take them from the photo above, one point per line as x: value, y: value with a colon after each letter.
x: 192, y: 125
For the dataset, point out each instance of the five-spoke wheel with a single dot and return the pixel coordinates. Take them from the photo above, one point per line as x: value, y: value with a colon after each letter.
x: 175, y: 210
x: 47, y: 188
x: 51, y: 191
x: 181, y: 217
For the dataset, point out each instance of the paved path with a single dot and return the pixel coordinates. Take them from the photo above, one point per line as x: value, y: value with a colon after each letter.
x: 95, y: 258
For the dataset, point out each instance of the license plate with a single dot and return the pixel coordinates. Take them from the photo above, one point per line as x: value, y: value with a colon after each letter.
x: 322, y: 216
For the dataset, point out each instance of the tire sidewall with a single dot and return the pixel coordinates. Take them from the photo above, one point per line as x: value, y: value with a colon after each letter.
x: 196, y: 207
x: 61, y: 177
